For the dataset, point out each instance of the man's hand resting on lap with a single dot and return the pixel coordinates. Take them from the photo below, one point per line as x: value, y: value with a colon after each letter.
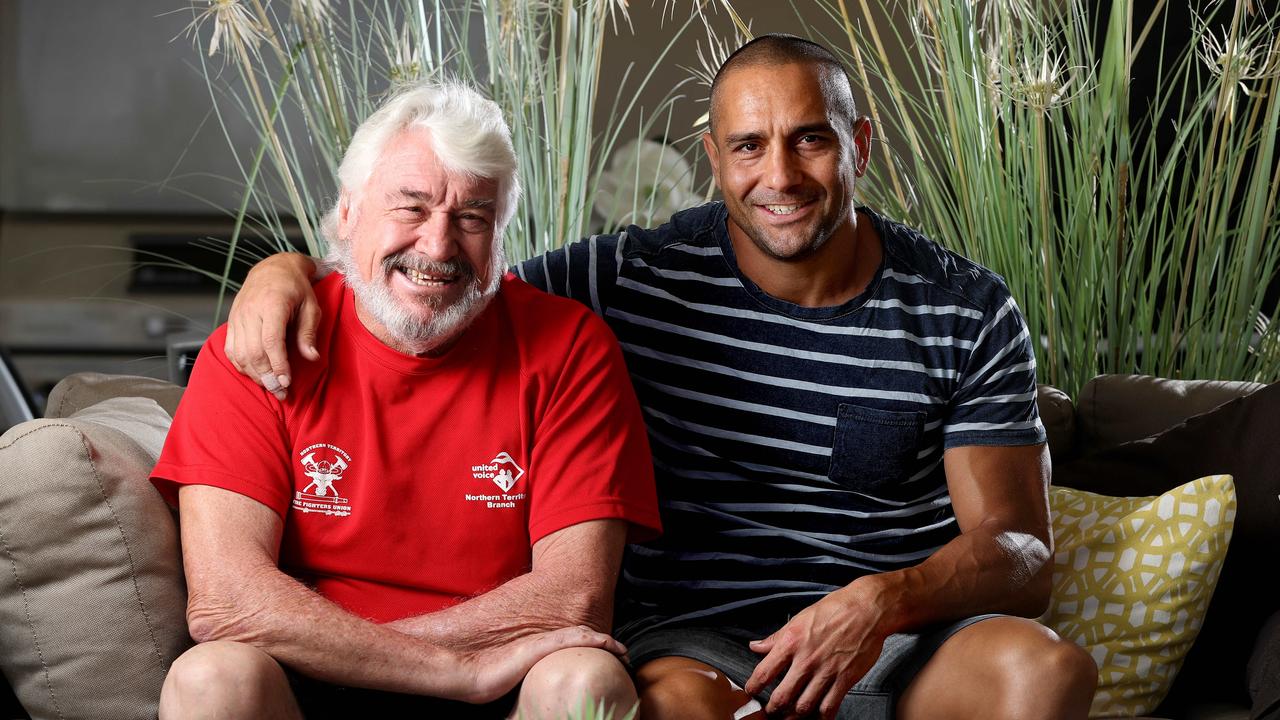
x: 276, y: 292
x: 818, y: 655
x: 487, y: 675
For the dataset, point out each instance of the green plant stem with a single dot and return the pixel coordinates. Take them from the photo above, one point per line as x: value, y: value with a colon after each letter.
x: 1221, y: 122
x: 1047, y: 241
x: 854, y: 49
x: 243, y: 210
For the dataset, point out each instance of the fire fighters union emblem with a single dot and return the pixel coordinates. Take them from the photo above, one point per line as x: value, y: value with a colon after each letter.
x: 323, y: 464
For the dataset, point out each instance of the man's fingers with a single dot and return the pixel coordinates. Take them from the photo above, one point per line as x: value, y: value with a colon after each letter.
x: 277, y: 362
x: 254, y: 362
x: 831, y: 703
x: 308, y: 320
x: 275, y: 333
x: 783, y: 697
x: 769, y: 667
x: 229, y: 348
x: 762, y: 646
x: 581, y: 636
x: 813, y: 694
x: 271, y: 383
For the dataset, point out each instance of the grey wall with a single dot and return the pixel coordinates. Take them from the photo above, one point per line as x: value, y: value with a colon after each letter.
x: 103, y: 107
x: 101, y: 101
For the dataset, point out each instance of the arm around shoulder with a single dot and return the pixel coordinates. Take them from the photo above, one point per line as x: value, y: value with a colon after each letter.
x: 276, y: 292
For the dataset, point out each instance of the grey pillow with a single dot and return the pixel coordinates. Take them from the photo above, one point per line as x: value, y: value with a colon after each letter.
x: 92, y: 598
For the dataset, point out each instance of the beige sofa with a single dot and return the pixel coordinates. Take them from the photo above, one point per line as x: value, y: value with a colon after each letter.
x: 91, y: 592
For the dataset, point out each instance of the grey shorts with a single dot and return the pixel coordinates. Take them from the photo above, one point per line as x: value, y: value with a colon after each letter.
x: 873, y: 697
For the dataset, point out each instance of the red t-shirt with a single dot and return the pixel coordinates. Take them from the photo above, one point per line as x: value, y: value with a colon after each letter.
x: 407, y: 484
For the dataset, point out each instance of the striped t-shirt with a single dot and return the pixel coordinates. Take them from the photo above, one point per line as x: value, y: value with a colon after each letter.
x: 795, y: 448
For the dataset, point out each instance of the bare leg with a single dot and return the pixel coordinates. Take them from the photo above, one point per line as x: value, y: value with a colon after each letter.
x: 559, y: 683
x: 679, y: 688
x: 1003, y: 668
x: 227, y: 680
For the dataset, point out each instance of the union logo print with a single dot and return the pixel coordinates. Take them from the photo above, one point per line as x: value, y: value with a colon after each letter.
x: 324, y: 464
x: 503, y: 470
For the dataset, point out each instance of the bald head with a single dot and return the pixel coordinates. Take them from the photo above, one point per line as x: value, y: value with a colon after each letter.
x: 779, y: 49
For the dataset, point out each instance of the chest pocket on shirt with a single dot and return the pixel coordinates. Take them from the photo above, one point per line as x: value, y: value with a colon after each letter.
x: 873, y: 447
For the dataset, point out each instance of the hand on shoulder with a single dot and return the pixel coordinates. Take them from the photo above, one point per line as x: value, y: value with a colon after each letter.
x: 276, y: 292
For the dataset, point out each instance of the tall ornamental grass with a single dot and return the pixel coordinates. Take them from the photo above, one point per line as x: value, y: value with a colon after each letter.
x: 1014, y: 144
x: 306, y: 72
x: 1010, y: 139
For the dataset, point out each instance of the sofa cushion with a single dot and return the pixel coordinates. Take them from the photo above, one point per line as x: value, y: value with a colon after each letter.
x: 1132, y: 579
x: 1058, y: 416
x: 92, y: 599
x: 77, y: 392
x: 1115, y: 409
x: 1238, y: 438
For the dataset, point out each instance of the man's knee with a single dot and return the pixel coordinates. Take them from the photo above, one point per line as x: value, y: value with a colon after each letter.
x: 1003, y: 668
x: 564, y: 680
x: 685, y: 689
x: 226, y: 679
x: 1040, y: 674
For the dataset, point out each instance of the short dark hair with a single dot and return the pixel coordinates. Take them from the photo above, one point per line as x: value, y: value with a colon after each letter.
x: 783, y: 49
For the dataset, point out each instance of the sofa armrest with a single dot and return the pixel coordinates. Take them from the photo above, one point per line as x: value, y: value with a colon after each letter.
x: 92, y: 598
x: 1058, y: 415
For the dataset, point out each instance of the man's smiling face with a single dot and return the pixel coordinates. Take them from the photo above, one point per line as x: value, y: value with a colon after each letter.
x: 783, y: 158
x: 418, y: 245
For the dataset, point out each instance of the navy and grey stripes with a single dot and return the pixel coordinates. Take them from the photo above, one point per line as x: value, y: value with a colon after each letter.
x: 795, y: 448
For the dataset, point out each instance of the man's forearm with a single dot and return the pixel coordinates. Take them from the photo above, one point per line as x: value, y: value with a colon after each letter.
x: 530, y: 603
x: 571, y: 583
x: 272, y: 611
x: 986, y: 570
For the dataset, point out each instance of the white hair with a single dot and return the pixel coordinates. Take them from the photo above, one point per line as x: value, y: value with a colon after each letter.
x: 467, y: 134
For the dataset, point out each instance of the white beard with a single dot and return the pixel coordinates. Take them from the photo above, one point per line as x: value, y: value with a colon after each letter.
x: 412, y: 329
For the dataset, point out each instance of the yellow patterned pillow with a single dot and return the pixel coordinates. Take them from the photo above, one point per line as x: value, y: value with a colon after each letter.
x: 1132, y: 578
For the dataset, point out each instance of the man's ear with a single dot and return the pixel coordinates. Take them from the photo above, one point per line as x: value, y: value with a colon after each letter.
x: 862, y: 134
x: 346, y: 216
x: 713, y: 155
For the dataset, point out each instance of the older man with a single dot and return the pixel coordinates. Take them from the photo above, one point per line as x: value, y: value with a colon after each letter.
x: 451, y: 485
x: 844, y: 429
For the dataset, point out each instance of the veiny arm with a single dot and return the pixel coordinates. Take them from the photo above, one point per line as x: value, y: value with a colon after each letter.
x: 571, y: 583
x: 237, y: 593
x: 998, y: 564
x: 1000, y: 561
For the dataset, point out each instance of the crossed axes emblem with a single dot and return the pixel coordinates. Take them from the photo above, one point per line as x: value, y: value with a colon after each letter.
x: 322, y: 473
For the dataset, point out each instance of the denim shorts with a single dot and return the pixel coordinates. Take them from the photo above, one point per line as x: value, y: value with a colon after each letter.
x: 871, y: 698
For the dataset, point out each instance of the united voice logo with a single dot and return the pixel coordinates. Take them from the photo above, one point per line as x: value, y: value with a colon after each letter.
x: 502, y: 471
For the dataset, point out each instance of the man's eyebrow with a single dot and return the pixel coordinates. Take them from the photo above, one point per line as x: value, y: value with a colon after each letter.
x: 424, y: 196
x: 822, y: 127
x: 756, y: 135
x: 419, y: 195
x: 735, y: 138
